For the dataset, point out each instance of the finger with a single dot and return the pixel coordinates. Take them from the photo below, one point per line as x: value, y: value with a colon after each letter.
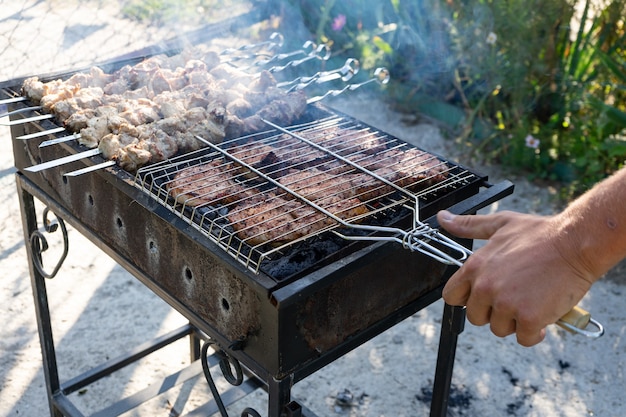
x: 502, y: 325
x: 456, y: 291
x: 470, y: 226
x: 530, y: 337
x: 477, y: 314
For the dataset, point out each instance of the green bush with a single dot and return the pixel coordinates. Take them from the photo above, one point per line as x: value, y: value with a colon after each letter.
x: 518, y: 83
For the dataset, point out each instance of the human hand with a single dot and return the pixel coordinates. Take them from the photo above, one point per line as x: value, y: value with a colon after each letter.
x: 526, y: 277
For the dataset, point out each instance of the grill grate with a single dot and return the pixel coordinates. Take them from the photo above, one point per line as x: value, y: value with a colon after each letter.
x: 260, y: 195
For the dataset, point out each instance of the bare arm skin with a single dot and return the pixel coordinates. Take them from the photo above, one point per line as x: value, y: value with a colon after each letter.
x: 534, y: 269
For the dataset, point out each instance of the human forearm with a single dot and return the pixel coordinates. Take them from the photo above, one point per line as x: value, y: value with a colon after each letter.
x: 594, y: 227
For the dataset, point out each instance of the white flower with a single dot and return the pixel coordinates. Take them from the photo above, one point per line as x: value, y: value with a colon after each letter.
x: 532, y: 142
x: 491, y: 38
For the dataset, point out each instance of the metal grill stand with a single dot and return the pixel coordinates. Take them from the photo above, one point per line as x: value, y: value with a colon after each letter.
x: 280, y: 403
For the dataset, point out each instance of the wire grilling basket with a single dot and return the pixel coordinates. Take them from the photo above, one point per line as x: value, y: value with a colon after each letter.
x: 258, y: 195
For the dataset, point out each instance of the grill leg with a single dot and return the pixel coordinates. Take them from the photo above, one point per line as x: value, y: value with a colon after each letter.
x: 279, y: 395
x: 452, y: 325
x: 194, y: 346
x: 40, y: 296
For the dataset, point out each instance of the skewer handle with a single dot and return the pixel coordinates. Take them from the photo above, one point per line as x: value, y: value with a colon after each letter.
x: 577, y: 320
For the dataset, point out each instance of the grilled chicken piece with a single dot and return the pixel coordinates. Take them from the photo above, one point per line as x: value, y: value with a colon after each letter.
x: 314, y: 184
x: 83, y: 99
x: 349, y: 209
x: 34, y: 89
x: 283, y: 110
x: 95, y: 78
x: 207, y: 184
x: 37, y: 90
x: 345, y: 142
x: 252, y: 153
x: 269, y: 218
x: 297, y: 154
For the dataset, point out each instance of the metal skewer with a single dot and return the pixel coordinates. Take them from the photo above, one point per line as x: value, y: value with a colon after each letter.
x: 346, y: 72
x: 273, y: 58
x: 40, y: 134
x: 59, y: 140
x: 321, y: 52
x: 308, y: 48
x: 28, y: 120
x: 22, y: 110
x: 92, y: 168
x: 381, y: 75
x: 275, y: 41
x: 64, y: 160
x: 16, y: 99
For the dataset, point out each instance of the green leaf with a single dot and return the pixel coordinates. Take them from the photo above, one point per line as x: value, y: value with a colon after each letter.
x: 612, y: 113
x: 618, y: 69
x: 382, y: 45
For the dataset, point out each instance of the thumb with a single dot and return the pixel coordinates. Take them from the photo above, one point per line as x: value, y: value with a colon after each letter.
x: 469, y: 226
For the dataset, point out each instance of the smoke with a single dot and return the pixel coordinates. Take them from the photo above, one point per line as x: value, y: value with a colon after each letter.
x: 412, y: 38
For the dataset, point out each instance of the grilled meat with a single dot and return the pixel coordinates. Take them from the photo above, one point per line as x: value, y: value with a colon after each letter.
x: 270, y: 218
x: 344, y: 141
x: 207, y: 184
x: 314, y: 184
x: 318, y: 183
x: 198, y: 97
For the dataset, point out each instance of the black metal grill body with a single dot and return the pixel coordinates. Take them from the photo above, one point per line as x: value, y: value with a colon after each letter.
x: 280, y: 329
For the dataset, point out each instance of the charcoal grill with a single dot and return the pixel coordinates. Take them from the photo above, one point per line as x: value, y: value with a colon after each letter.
x: 282, y: 311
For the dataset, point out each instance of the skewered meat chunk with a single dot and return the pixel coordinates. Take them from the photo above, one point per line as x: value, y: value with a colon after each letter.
x: 117, y: 86
x: 111, y: 143
x: 229, y: 75
x: 34, y: 89
x: 97, y: 128
x: 79, y: 120
x: 49, y: 100
x: 84, y: 98
x: 95, y: 78
x: 37, y: 90
x: 284, y: 111
x: 132, y: 156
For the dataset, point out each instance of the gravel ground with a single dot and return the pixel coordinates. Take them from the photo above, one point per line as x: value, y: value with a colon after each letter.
x: 99, y: 310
